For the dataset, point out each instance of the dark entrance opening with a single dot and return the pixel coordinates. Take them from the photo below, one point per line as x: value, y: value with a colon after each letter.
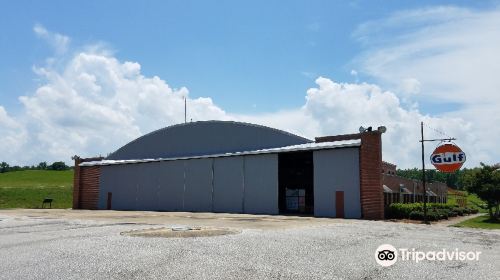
x: 296, y: 183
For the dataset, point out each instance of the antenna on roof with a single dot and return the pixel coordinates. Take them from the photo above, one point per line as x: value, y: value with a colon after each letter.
x: 185, y: 109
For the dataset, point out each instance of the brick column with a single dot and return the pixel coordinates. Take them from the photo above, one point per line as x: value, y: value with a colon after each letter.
x: 370, y: 158
x: 76, y: 184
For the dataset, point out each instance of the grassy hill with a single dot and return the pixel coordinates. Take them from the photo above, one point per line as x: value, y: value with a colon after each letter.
x: 473, y: 201
x: 27, y: 189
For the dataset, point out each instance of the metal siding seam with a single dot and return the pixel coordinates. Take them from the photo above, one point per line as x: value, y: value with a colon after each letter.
x: 136, y: 195
x: 184, y: 188
x: 243, y: 185
x: 158, y: 190
x: 213, y: 185
x: 277, y: 186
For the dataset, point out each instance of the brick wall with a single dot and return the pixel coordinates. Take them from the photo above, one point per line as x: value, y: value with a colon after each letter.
x: 371, y: 192
x: 89, y: 187
x: 86, y: 184
x: 394, y: 182
x: 388, y: 168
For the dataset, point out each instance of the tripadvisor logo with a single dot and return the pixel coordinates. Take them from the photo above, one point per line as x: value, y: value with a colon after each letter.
x: 387, y: 255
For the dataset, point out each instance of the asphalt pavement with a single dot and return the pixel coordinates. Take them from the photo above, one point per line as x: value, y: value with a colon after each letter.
x: 67, y: 244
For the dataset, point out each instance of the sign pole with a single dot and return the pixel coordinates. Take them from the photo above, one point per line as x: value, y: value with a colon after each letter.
x: 423, y: 173
x: 460, y: 157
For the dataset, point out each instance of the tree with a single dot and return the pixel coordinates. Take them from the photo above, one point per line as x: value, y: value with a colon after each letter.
x: 486, y: 184
x: 59, y: 165
x: 42, y: 165
x: 451, y: 179
x: 4, y: 167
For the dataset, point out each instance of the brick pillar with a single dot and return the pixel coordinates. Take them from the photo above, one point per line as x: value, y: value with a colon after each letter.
x: 372, y: 194
x: 76, y: 183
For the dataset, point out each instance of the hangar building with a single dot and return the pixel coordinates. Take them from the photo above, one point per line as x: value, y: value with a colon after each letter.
x: 234, y: 167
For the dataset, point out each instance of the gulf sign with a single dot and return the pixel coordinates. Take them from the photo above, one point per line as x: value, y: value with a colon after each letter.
x: 448, y: 158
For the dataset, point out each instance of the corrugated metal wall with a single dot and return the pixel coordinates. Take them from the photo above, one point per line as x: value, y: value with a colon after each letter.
x: 228, y: 184
x: 261, y: 184
x: 336, y: 170
x: 198, y: 185
x: 241, y: 184
x: 89, y: 187
x: 171, y: 182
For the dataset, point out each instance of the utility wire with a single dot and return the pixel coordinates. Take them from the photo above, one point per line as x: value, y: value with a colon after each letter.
x: 437, y: 130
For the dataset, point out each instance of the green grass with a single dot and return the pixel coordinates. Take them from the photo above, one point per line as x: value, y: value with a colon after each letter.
x: 472, y: 201
x: 480, y: 222
x: 27, y: 189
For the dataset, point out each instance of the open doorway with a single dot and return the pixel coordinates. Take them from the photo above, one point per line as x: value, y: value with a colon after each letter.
x: 296, y: 183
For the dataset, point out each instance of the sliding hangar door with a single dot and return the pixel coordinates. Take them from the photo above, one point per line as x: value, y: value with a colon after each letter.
x: 239, y: 184
x: 322, y: 183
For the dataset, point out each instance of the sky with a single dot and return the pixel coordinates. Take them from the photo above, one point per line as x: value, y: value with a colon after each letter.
x: 84, y: 78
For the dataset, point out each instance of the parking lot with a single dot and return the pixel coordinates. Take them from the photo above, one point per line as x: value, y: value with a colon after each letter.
x: 72, y: 244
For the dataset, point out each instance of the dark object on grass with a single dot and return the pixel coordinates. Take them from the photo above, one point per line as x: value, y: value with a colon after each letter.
x: 47, y: 200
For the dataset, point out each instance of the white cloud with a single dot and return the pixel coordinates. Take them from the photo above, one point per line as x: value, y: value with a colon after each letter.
x: 93, y: 103
x: 13, y: 137
x: 97, y: 103
x: 59, y: 42
x: 450, y: 51
x: 334, y: 108
x: 449, y: 56
x: 409, y: 86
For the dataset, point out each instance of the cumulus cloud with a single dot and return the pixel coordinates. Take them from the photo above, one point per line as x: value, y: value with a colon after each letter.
x: 333, y: 108
x: 91, y: 103
x: 98, y: 103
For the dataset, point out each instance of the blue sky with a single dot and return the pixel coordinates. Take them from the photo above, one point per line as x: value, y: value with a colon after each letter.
x: 253, y: 59
x: 252, y: 56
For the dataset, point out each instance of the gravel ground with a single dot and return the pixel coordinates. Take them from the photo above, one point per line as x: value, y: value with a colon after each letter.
x: 77, y: 247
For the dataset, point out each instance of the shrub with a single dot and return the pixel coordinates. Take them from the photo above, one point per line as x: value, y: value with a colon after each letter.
x: 474, y: 210
x: 443, y: 213
x: 448, y: 206
x: 452, y: 213
x: 439, y: 210
x: 431, y: 215
x: 402, y: 210
x: 459, y: 211
x: 416, y: 215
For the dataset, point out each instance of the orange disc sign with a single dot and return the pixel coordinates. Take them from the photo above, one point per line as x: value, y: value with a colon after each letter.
x: 448, y: 158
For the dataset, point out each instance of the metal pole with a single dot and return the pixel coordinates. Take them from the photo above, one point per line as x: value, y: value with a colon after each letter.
x: 185, y: 109
x: 423, y: 173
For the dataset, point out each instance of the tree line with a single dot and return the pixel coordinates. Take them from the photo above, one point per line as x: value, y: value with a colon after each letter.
x: 459, y: 179
x: 484, y: 181
x: 58, y: 165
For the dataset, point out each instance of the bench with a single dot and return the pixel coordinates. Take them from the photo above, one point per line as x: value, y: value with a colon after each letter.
x: 47, y: 200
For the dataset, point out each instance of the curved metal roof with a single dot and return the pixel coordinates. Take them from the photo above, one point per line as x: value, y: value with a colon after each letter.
x: 205, y: 138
